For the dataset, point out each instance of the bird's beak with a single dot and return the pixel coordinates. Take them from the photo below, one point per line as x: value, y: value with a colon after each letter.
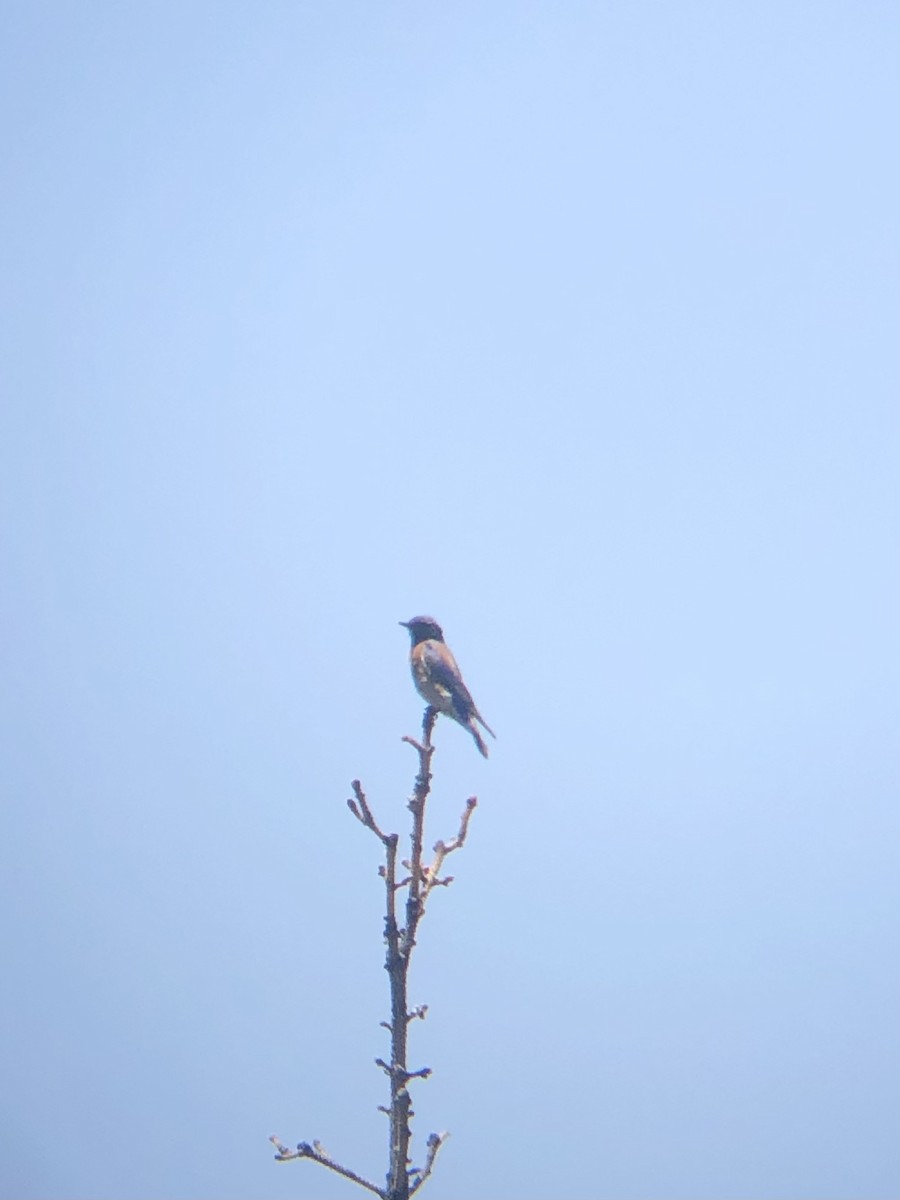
x: 405, y: 624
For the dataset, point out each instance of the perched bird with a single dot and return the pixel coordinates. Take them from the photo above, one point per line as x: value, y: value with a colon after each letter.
x: 438, y: 680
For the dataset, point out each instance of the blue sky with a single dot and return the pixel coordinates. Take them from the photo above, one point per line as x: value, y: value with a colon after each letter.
x: 576, y: 326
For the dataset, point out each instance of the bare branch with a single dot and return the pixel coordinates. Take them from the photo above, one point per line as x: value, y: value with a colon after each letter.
x: 422, y: 1073
x: 401, y: 1073
x: 418, y: 881
x: 442, y: 849
x: 360, y: 809
x: 428, y: 719
x: 419, y: 1175
x: 417, y: 807
x: 317, y: 1153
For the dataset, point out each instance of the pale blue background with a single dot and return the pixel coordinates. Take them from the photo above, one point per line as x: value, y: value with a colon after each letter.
x: 575, y: 325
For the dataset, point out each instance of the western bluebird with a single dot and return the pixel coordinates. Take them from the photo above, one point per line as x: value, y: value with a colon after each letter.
x: 438, y: 680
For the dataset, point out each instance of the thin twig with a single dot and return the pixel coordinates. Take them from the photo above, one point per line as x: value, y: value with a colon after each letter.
x: 360, y: 809
x: 418, y: 1177
x: 318, y: 1154
x: 442, y: 849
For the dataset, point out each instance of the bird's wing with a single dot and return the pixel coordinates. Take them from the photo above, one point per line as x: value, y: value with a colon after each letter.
x: 445, y: 677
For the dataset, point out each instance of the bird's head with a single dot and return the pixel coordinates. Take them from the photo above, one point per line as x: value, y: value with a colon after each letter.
x: 423, y: 629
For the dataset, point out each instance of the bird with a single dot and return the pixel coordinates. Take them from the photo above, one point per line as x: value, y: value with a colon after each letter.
x: 438, y: 679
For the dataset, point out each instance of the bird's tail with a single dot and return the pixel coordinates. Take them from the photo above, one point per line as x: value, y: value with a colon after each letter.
x: 481, y: 721
x: 479, y: 740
